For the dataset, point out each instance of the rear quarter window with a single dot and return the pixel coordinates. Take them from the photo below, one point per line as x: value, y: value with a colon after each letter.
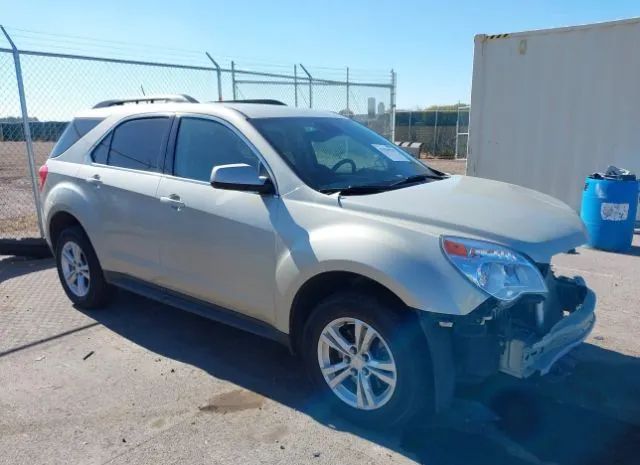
x: 101, y: 152
x: 74, y: 131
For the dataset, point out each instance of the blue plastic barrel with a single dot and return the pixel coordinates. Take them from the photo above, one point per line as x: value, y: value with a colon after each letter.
x: 609, y: 207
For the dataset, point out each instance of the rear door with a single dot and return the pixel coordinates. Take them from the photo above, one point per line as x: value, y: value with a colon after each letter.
x: 123, y: 180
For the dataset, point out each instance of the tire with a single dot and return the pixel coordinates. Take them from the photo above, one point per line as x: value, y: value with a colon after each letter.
x: 74, y: 251
x: 399, y: 334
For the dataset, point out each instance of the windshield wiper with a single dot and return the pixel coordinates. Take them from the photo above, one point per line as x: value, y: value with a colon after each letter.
x: 376, y: 188
x: 356, y: 190
x: 417, y: 178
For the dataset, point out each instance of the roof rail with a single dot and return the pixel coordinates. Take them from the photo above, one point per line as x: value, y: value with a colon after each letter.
x: 263, y: 101
x: 165, y: 98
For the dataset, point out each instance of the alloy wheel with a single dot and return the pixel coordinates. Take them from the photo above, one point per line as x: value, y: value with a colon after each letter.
x: 357, y: 363
x: 75, y: 269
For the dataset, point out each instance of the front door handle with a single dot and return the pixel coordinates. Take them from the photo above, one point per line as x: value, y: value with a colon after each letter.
x: 95, y: 180
x: 173, y: 200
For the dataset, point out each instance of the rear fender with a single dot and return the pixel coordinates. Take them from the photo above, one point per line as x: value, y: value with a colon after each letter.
x: 66, y: 196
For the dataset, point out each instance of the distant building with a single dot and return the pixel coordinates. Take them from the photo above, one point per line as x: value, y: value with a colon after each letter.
x: 371, y: 107
x: 381, y: 108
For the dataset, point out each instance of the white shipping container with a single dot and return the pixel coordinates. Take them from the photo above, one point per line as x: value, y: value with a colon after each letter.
x: 550, y: 107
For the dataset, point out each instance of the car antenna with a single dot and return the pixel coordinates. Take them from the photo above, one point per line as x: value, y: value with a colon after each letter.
x: 142, y: 89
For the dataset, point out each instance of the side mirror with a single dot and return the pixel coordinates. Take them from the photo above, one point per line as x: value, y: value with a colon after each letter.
x: 241, y: 177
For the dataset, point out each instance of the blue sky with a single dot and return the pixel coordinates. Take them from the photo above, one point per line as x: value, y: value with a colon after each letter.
x: 429, y: 43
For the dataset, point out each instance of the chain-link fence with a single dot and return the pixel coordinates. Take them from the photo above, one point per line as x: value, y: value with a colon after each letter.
x: 444, y: 132
x: 370, y: 103
x: 41, y: 91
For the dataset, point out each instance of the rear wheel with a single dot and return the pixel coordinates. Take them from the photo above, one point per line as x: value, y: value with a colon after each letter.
x: 79, y: 270
x: 368, y: 360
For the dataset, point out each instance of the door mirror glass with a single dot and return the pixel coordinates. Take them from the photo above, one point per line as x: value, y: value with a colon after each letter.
x: 241, y: 177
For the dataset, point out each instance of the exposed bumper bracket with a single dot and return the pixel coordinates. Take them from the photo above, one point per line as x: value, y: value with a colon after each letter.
x: 526, y: 355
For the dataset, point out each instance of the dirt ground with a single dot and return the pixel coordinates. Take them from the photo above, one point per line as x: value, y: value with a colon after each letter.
x: 140, y: 382
x: 448, y: 166
x: 17, y: 205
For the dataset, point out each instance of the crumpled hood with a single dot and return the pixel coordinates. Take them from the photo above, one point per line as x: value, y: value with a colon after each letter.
x: 523, y: 219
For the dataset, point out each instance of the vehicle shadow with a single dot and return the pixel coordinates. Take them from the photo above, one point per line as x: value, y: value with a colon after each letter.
x: 14, y: 267
x: 578, y: 418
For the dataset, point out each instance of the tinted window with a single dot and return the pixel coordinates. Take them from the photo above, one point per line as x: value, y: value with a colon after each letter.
x: 204, y: 144
x: 99, y: 154
x: 74, y: 131
x: 136, y: 143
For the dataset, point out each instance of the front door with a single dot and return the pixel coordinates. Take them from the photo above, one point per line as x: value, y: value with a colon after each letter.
x: 217, y: 245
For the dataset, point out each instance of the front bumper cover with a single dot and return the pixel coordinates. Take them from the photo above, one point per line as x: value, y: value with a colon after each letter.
x: 525, y: 354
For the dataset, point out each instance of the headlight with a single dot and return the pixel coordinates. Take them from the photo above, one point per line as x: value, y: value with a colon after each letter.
x: 495, y: 269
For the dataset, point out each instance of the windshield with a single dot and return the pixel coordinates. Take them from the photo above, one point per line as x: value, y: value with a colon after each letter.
x: 336, y: 154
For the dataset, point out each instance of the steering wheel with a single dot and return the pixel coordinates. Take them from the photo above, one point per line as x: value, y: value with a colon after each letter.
x: 344, y: 161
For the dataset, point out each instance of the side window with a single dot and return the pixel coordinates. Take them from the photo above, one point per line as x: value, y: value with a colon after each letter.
x: 203, y: 144
x: 100, y: 153
x: 74, y: 131
x: 136, y: 143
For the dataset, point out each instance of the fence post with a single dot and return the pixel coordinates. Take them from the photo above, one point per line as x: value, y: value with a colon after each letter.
x: 455, y: 156
x: 295, y: 83
x: 233, y: 80
x: 310, y: 85
x: 27, y: 129
x: 392, y: 104
x: 348, y: 91
x: 219, y: 74
x: 435, y: 134
x: 466, y: 149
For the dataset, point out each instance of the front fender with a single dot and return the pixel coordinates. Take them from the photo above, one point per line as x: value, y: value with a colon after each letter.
x: 410, y: 265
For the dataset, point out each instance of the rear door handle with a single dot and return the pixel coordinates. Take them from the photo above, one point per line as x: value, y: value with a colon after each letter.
x: 173, y: 200
x: 95, y: 180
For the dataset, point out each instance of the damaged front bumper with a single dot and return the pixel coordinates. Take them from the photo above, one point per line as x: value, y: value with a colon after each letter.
x: 526, y: 353
x: 522, y: 339
x: 525, y: 338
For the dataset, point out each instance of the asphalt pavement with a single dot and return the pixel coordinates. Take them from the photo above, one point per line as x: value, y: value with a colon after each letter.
x: 140, y: 382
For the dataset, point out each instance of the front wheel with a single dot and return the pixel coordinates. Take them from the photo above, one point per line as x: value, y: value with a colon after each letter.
x: 368, y: 360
